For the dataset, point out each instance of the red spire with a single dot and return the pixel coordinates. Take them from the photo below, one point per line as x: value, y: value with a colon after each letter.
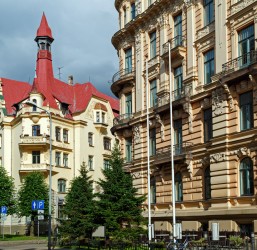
x: 44, y: 30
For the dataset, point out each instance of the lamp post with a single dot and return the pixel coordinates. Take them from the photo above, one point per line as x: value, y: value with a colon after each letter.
x: 50, y: 172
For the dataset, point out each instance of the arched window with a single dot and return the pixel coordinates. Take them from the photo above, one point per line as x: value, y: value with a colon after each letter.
x: 34, y: 108
x: 178, y: 187
x: 246, y: 177
x: 153, y: 190
x: 207, y: 183
x: 61, y: 186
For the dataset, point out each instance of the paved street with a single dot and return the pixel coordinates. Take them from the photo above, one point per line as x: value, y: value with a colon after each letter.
x: 31, y: 246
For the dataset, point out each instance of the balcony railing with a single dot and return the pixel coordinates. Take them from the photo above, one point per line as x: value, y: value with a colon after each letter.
x: 122, y: 119
x: 34, y: 139
x: 175, y: 42
x: 123, y: 73
x: 240, y: 62
x: 35, y: 167
x: 178, y: 149
x: 177, y: 94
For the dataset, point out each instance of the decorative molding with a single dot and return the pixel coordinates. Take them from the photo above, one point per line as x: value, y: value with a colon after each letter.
x: 190, y: 168
x: 230, y: 98
x: 244, y: 151
x: 218, y: 157
x: 206, y: 103
x: 243, y: 86
x: 205, y: 30
x: 217, y: 102
x: 240, y: 6
x: 205, y: 161
x: 159, y: 120
x: 137, y: 138
x: 188, y: 109
x: 138, y: 7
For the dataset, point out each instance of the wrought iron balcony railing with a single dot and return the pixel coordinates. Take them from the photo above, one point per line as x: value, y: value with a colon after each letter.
x: 123, y: 73
x: 122, y: 119
x: 175, y: 42
x: 177, y: 94
x: 183, y: 148
x: 240, y: 62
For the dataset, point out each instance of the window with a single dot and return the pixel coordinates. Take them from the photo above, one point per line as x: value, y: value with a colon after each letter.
x: 91, y: 162
x: 35, y: 157
x: 178, y: 79
x: 65, y: 135
x: 61, y: 186
x: 64, y: 108
x: 57, y: 158
x: 35, y: 130
x: 125, y: 16
x: 58, y: 134
x: 245, y: 45
x: 207, y: 183
x: 178, y: 187
x: 103, y: 117
x: 178, y: 30
x: 65, y: 160
x: 152, y: 45
x: 153, y: 190
x: 207, y: 124
x: 128, y: 107
x: 106, y: 164
x: 208, y: 11
x: 90, y: 139
x: 246, y: 177
x: 152, y: 141
x: 153, y: 95
x: 246, y: 110
x: 133, y: 11
x: 178, y: 136
x: 128, y: 60
x: 107, y: 143
x: 150, y: 2
x: 34, y: 108
x: 208, y: 66
x: 98, y: 117
x: 128, y: 146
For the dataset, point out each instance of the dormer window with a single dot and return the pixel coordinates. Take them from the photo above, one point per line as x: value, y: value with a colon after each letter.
x: 100, y: 113
x: 34, y: 108
x: 64, y: 108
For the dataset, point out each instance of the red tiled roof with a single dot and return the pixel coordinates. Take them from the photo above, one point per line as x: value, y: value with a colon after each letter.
x: 44, y: 30
x: 77, y: 96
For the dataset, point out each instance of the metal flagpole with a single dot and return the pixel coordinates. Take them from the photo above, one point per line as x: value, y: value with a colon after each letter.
x: 148, y: 155
x: 171, y: 153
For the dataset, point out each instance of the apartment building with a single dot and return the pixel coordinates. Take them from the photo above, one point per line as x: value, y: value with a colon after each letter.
x: 206, y: 51
x: 81, y: 119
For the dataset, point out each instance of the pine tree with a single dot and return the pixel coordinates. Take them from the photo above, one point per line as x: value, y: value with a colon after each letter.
x: 80, y: 208
x: 34, y: 187
x: 7, y: 191
x: 120, y: 206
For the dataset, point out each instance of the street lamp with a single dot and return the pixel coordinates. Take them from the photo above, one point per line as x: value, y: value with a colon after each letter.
x: 33, y: 104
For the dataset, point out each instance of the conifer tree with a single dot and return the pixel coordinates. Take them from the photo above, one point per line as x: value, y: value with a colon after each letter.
x: 79, y: 208
x: 120, y: 206
x: 7, y: 191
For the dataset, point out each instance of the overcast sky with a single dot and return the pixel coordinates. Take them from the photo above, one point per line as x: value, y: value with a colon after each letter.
x: 82, y: 30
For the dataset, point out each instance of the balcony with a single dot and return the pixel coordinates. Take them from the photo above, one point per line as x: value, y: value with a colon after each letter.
x: 124, y: 76
x: 206, y: 30
x: 34, y: 167
x: 177, y: 48
x: 239, y: 66
x: 178, y: 96
x: 181, y: 152
x: 34, y: 140
x: 122, y: 121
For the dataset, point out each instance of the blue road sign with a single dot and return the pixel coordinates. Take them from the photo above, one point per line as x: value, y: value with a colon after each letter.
x: 3, y: 210
x: 38, y: 204
x: 41, y: 204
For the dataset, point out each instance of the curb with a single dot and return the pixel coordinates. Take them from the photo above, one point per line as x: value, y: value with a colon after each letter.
x: 22, y: 242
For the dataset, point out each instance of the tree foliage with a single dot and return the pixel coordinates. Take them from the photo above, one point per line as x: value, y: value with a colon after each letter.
x: 33, y: 188
x: 120, y: 206
x: 80, y: 207
x: 7, y: 191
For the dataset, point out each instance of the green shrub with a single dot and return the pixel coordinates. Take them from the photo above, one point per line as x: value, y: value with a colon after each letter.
x: 236, y: 240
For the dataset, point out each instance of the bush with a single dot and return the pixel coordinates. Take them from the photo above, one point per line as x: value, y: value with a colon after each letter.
x: 154, y: 245
x: 236, y: 240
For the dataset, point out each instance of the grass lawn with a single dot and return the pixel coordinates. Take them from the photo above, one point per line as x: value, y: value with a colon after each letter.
x: 8, y: 237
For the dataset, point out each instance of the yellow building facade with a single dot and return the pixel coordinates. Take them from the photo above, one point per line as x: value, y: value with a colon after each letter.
x: 210, y: 47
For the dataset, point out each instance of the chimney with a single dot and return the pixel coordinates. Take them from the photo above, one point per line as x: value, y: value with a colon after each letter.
x: 70, y: 80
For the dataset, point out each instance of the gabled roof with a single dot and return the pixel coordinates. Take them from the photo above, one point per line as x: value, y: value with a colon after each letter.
x: 44, y: 29
x: 76, y: 96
